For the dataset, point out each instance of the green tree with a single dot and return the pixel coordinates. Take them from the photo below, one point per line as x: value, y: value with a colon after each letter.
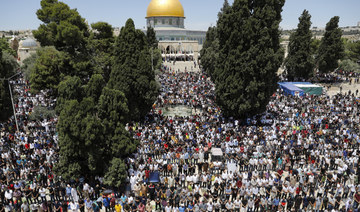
x: 113, y: 111
x: 95, y: 86
x: 41, y: 112
x: 4, y: 45
x: 92, y: 114
x: 225, y: 9
x: 300, y: 63
x: 28, y: 64
x: 102, y: 31
x: 69, y: 89
x: 9, y: 62
x: 5, y: 101
x: 352, y: 50
x: 249, y: 56
x: 157, y: 58
x: 151, y: 38
x: 65, y: 29
x: 62, y: 27
x: 100, y: 47
x: 131, y: 71
x: 8, y: 66
x: 79, y: 135
x: 47, y: 70
x: 315, y: 44
x: 91, y: 136
x: 331, y: 48
x: 355, y: 51
x: 113, y: 106
x: 153, y: 46
x: 116, y: 174
x: 210, y: 51
x: 349, y: 65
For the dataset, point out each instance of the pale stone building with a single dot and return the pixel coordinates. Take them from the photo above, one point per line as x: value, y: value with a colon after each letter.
x: 26, y: 48
x: 175, y: 42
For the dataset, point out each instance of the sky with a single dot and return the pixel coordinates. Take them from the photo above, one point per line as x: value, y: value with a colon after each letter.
x: 200, y: 14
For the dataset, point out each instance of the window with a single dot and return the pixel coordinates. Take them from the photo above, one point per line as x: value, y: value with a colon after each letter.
x: 163, y: 22
x: 170, y: 22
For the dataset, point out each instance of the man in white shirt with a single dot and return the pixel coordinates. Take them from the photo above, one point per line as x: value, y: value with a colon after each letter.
x: 218, y: 179
x: 73, y: 206
x: 203, y: 180
x: 224, y: 176
x: 42, y: 192
x: 8, y: 195
x: 168, y: 208
x: 210, y: 206
x: 188, y: 179
x: 255, y: 190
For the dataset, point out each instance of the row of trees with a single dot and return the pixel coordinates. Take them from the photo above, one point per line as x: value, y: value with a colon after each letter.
x: 8, y: 66
x: 306, y: 54
x: 5, y: 102
x: 101, y: 82
x: 242, y: 55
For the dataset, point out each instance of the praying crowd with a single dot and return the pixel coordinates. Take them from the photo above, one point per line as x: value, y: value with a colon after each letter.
x: 301, y: 154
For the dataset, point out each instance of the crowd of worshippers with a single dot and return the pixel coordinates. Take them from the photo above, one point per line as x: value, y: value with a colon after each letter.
x: 301, y: 154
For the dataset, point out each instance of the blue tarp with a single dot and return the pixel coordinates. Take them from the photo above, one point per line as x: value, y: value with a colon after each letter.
x: 290, y: 89
x: 154, y: 177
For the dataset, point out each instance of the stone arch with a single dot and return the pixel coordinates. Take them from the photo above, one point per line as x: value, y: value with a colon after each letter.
x: 162, y: 49
x: 189, y: 49
x: 170, y: 49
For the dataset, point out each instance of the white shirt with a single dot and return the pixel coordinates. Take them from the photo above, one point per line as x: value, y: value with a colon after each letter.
x: 8, y: 194
x: 210, y: 206
x: 168, y: 208
x: 42, y: 192
x: 73, y: 206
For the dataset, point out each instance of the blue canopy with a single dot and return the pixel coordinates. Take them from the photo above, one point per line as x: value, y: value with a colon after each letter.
x: 290, y: 89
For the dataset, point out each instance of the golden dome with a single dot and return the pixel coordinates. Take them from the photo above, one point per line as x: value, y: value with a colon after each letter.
x: 165, y: 8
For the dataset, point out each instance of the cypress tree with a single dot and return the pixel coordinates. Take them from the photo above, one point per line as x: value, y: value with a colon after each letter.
x: 300, y: 63
x: 210, y: 51
x: 331, y: 48
x: 5, y: 101
x: 95, y: 86
x: 100, y: 47
x: 132, y: 73
x: 249, y: 56
x: 151, y: 38
x: 8, y: 66
x: 80, y: 136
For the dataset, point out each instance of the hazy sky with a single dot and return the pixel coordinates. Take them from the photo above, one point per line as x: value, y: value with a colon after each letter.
x: 200, y: 14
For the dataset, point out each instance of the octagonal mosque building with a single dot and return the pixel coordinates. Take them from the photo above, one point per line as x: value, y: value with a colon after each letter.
x: 175, y: 42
